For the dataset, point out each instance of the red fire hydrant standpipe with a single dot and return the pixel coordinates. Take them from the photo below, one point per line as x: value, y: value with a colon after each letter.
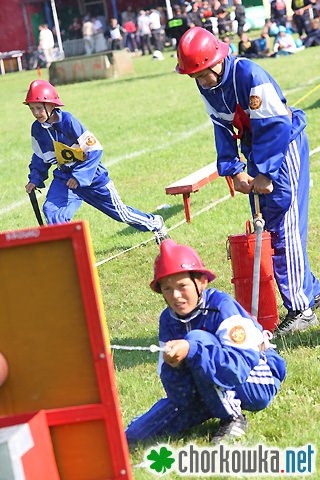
x: 252, y: 267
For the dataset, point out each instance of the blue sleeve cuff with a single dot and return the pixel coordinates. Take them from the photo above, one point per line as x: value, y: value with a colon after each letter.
x: 192, y: 350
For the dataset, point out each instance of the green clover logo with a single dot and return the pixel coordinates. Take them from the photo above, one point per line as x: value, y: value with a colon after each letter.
x: 161, y: 461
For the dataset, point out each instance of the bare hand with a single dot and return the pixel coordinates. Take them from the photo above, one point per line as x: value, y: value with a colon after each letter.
x: 72, y: 183
x: 262, y: 184
x: 177, y: 352
x: 29, y: 187
x: 242, y: 182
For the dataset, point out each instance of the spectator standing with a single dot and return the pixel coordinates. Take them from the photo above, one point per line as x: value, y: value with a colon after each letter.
x: 75, y: 29
x: 144, y: 32
x: 62, y: 31
x: 206, y: 9
x: 240, y: 16
x: 210, y: 16
x: 224, y: 18
x: 115, y: 34
x: 316, y: 9
x: 156, y: 33
x: 46, y: 43
x: 87, y: 32
x: 302, y: 12
x: 216, y: 5
x: 177, y: 25
x: 98, y: 35
x: 278, y: 12
x: 194, y: 16
x: 130, y: 27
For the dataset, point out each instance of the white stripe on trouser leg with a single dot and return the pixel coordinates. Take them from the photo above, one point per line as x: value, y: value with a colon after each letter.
x: 126, y: 215
x: 289, y: 218
x: 231, y: 404
x: 300, y: 253
x: 294, y: 252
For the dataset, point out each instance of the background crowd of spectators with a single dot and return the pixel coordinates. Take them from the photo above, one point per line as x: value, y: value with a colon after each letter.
x: 150, y: 31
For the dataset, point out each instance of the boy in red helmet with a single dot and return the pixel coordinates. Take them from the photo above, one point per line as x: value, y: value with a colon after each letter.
x: 216, y: 361
x: 58, y: 138
x: 246, y: 104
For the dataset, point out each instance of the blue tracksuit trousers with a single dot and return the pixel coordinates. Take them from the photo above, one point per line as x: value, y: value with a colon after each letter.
x: 62, y: 203
x: 285, y: 212
x: 193, y: 398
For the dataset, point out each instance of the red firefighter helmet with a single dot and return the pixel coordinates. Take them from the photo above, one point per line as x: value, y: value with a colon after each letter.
x: 175, y: 258
x: 199, y: 49
x: 42, y: 91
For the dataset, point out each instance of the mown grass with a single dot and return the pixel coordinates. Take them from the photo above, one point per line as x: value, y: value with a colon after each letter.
x: 158, y: 118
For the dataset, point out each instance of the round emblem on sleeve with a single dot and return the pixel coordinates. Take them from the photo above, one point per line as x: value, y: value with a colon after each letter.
x: 237, y: 334
x: 90, y: 141
x: 255, y: 102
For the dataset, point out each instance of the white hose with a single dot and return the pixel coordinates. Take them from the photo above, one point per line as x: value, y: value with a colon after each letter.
x: 259, y: 224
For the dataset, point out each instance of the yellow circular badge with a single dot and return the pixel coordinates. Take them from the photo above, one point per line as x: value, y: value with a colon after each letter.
x: 255, y: 102
x: 237, y: 334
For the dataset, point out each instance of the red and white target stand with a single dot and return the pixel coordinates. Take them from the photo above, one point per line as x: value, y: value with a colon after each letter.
x: 241, y: 251
x: 59, y: 408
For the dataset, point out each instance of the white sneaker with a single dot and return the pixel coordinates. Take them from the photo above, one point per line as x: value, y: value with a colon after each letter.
x: 162, y: 233
x: 297, y: 321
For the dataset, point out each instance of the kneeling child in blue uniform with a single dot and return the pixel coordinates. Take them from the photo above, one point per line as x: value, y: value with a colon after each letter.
x: 217, y: 360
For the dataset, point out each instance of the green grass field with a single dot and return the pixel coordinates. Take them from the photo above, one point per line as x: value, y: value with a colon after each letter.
x: 154, y: 130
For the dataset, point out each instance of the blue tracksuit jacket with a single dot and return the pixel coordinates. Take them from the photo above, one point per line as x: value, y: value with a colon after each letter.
x: 225, y: 370
x: 70, y: 132
x: 77, y: 153
x: 278, y: 149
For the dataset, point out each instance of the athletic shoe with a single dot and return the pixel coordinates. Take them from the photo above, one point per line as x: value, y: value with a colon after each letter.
x: 297, y: 321
x: 231, y: 428
x: 160, y: 234
x: 316, y: 302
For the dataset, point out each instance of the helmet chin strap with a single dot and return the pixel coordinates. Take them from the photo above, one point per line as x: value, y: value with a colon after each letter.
x: 195, y: 286
x: 199, y: 299
x: 199, y: 303
x: 219, y: 77
x: 48, y: 116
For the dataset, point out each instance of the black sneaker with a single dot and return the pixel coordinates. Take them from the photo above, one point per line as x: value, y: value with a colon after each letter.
x: 162, y: 233
x: 296, y: 321
x: 316, y: 302
x: 231, y: 428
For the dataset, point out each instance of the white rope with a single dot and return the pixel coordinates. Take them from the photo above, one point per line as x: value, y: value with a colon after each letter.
x: 153, y: 348
x: 23, y: 202
x: 213, y: 204
x: 316, y: 150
